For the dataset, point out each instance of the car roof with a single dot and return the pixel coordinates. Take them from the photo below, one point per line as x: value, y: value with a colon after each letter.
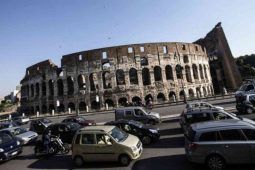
x: 199, y: 110
x: 100, y: 128
x: 220, y: 124
x: 130, y: 107
x: 119, y: 121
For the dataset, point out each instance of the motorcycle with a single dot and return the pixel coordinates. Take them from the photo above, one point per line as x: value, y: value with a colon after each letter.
x: 55, y: 146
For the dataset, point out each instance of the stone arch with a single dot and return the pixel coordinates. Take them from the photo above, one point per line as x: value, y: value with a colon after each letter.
x: 106, y: 80
x: 178, y: 70
x: 195, y: 71
x: 191, y: 94
x: 32, y: 90
x: 51, y: 107
x: 188, y: 73
x: 133, y: 76
x: 157, y: 73
x: 172, y: 96
x: 147, y: 97
x: 205, y: 71
x: 95, y: 105
x: 136, y: 100
x: 120, y: 77
x: 201, y: 71
x: 81, y: 82
x: 71, y: 105
x: 37, y: 89
x: 169, y: 72
x: 44, y: 109
x: 60, y: 87
x: 43, y: 88
x: 144, y: 61
x: 82, y: 106
x: 51, y: 87
x: 146, y: 76
x: 161, y: 98
x: 70, y: 85
x: 122, y: 101
x: 109, y: 102
x: 185, y: 59
x: 182, y: 95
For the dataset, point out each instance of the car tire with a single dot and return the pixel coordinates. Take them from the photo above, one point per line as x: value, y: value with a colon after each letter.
x: 249, y: 110
x: 215, y: 162
x: 124, y: 160
x: 146, y: 140
x: 78, y: 161
x: 151, y: 122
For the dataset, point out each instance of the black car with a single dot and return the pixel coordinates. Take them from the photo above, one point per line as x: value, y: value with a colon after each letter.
x: 9, y: 145
x: 146, y: 134
x: 65, y: 131
x: 80, y: 120
x: 39, y: 125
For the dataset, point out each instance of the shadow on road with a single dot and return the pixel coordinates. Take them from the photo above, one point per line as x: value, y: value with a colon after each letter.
x: 173, y: 131
x: 172, y: 142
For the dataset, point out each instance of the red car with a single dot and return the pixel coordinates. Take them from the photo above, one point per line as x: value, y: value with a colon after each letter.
x: 80, y: 120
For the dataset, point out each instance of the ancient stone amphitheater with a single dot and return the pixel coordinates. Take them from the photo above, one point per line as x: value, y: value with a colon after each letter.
x: 111, y: 77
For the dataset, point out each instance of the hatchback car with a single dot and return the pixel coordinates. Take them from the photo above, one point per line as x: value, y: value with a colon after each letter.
x: 146, y: 134
x: 218, y: 143
x: 80, y: 120
x: 105, y: 143
x: 39, y: 125
x: 23, y: 135
x: 245, y: 103
x: 9, y: 145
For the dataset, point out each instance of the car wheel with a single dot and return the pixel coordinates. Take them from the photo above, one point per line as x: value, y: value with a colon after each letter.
x: 146, y: 140
x: 78, y: 161
x: 215, y: 162
x: 249, y: 110
x: 151, y: 122
x: 124, y: 160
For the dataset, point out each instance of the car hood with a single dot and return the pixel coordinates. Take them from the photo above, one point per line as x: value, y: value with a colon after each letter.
x: 131, y: 140
x: 9, y: 145
x: 219, y: 107
x: 154, y: 114
x: 27, y: 135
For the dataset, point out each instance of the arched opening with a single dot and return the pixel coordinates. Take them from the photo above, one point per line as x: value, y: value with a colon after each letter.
x: 81, y: 82
x: 109, y: 102
x: 43, y: 88
x: 60, y: 87
x: 44, y: 109
x: 120, y: 77
x: 195, y: 72
x: 133, y: 76
x: 172, y: 96
x: 146, y: 76
x: 144, y: 61
x: 71, y: 106
x: 188, y: 73
x: 122, y: 101
x: 191, y: 94
x: 185, y: 59
x: 205, y: 70
x: 32, y: 90
x: 201, y: 71
x: 37, y: 89
x: 95, y: 105
x: 106, y: 80
x: 51, y: 108
x: 198, y: 92
x: 208, y: 91
x: 70, y: 85
x: 157, y: 73
x: 178, y: 70
x: 169, y: 72
x: 61, y: 108
x: 51, y: 88
x: 182, y: 95
x: 82, y: 106
x: 136, y: 100
x: 204, y: 91
x: 147, y: 97
x: 92, y: 79
x: 161, y: 98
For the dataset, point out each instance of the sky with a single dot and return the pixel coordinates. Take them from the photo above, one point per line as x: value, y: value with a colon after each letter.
x: 32, y: 31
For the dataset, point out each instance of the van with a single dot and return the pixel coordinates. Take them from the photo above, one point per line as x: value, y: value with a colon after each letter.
x: 222, y: 142
x: 105, y: 143
x: 137, y: 114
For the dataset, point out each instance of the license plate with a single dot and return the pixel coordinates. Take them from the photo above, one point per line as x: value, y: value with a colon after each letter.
x: 14, y: 153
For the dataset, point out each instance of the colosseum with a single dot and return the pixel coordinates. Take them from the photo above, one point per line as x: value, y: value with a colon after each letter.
x: 112, y: 77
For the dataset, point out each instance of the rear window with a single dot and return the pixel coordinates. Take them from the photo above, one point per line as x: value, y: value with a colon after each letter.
x: 199, y: 117
x: 209, y: 136
x: 77, y: 140
x: 231, y: 135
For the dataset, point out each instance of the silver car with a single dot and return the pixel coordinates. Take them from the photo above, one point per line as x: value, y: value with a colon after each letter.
x: 222, y: 142
x: 23, y: 134
x: 201, y: 104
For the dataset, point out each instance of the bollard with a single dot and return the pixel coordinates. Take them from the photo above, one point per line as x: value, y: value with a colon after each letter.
x: 37, y: 114
x: 87, y: 108
x: 69, y: 110
x: 53, y: 112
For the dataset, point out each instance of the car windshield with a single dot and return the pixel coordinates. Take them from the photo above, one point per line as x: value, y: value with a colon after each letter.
x: 243, y: 87
x: 73, y: 126
x: 142, y: 109
x: 46, y: 121
x: 5, y: 137
x: 118, y: 135
x: 137, y: 124
x: 80, y: 119
x: 19, y: 131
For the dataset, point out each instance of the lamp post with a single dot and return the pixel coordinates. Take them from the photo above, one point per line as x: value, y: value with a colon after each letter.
x: 177, y: 57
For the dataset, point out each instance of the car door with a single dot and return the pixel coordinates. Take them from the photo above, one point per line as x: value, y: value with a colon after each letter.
x: 250, y: 135
x: 234, y: 146
x: 140, y: 116
x: 88, y: 147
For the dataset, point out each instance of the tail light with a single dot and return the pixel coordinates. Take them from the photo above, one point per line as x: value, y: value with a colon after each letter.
x: 192, y: 146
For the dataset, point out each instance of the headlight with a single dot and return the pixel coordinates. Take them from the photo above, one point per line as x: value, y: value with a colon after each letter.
x: 18, y: 142
x: 153, y: 131
x: 1, y: 150
x: 134, y: 148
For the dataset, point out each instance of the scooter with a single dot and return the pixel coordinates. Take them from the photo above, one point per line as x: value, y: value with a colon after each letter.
x: 55, y: 146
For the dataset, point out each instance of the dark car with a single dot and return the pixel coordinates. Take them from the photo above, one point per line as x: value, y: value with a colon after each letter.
x: 80, y: 120
x: 65, y: 131
x: 146, y: 134
x: 245, y: 103
x: 9, y: 124
x: 39, y: 125
x: 9, y: 146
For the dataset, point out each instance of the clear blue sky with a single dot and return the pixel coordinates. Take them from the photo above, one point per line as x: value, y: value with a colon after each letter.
x: 33, y: 30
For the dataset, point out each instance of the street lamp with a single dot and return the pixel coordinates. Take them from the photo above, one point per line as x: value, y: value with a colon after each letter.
x: 181, y: 68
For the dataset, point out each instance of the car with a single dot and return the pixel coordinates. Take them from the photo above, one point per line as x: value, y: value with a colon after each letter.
x: 105, y: 143
x: 80, y: 120
x: 138, y: 114
x: 218, y: 143
x: 10, y: 146
x: 202, y: 104
x: 204, y: 114
x: 7, y: 124
x: 245, y: 103
x: 65, y: 131
x: 39, y: 125
x: 248, y: 87
x: 23, y: 135
x: 146, y: 134
x: 20, y: 120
